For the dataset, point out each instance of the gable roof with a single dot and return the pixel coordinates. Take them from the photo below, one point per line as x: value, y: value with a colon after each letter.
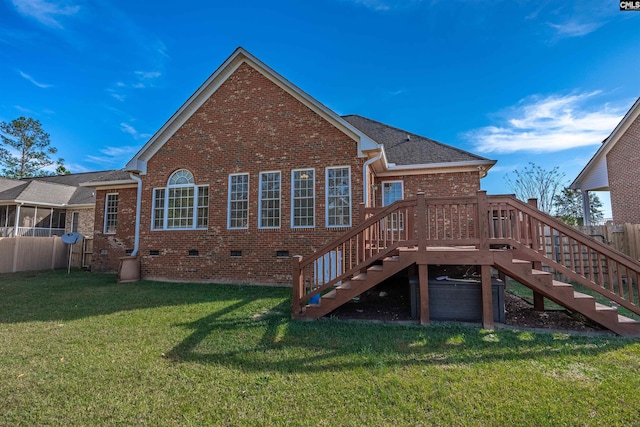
x: 406, y: 148
x: 594, y: 176
x: 240, y: 56
x: 57, y: 190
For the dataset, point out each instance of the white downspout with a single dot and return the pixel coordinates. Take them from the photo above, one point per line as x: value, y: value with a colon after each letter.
x: 136, y: 240
x: 365, y: 183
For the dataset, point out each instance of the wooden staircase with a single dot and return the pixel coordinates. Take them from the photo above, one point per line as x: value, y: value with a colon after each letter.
x: 564, y: 294
x: 359, y: 283
x: 499, y: 232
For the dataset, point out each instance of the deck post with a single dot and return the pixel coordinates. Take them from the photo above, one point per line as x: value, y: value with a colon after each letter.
x: 423, y: 278
x: 296, y: 285
x: 483, y: 221
x: 365, y: 235
x: 421, y: 222
x: 487, y: 297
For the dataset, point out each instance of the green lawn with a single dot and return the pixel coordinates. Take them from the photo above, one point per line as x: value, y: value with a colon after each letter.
x: 80, y: 349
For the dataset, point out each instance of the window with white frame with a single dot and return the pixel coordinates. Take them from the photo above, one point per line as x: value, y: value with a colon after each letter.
x: 110, y: 213
x: 303, y: 198
x: 238, y: 211
x: 391, y: 192
x: 182, y: 205
x: 338, y: 196
x: 269, y: 212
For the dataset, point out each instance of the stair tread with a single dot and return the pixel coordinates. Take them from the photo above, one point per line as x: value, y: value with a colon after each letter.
x: 559, y: 284
x: 540, y: 272
x: 361, y: 276
x: 602, y: 307
x: 331, y: 294
x: 345, y: 285
x: 580, y: 295
x: 624, y: 319
x: 375, y: 268
x: 520, y: 261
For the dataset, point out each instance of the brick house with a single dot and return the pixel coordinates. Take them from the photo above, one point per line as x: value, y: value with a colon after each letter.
x: 614, y: 168
x: 251, y: 171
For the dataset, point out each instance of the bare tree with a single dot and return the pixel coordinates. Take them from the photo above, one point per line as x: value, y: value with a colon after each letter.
x: 568, y: 207
x: 534, y: 182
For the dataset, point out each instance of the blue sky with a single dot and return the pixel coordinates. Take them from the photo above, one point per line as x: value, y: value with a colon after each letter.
x: 514, y: 81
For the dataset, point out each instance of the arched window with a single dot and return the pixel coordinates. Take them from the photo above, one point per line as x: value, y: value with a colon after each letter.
x: 182, y: 204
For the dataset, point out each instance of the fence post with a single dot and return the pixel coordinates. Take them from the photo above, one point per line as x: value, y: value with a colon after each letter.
x: 483, y: 220
x: 296, y: 285
x: 422, y: 221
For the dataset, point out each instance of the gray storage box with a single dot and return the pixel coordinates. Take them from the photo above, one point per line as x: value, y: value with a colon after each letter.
x: 457, y: 300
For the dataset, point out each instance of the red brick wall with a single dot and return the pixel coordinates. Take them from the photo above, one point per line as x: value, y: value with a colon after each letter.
x: 623, y: 166
x: 434, y: 185
x: 248, y: 125
x: 108, y: 248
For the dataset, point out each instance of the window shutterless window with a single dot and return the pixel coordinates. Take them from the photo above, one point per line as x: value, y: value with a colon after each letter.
x: 182, y: 205
x: 338, y: 196
x: 391, y: 192
x: 303, y: 198
x: 269, y: 212
x: 110, y: 214
x: 238, y: 210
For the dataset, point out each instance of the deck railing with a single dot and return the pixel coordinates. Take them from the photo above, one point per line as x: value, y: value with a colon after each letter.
x: 479, y: 221
x: 564, y: 250
x: 30, y: 232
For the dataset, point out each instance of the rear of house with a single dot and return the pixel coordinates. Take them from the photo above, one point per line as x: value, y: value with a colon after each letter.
x: 251, y: 171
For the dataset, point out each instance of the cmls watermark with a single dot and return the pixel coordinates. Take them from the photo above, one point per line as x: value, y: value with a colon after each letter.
x: 630, y: 5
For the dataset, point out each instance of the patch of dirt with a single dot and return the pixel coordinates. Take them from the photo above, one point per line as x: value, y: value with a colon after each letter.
x: 388, y: 304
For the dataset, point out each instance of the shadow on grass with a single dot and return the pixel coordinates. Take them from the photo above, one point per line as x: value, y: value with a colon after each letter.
x: 56, y: 295
x: 274, y: 342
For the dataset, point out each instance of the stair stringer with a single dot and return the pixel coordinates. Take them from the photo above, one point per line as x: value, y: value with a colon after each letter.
x: 564, y: 294
x: 359, y: 283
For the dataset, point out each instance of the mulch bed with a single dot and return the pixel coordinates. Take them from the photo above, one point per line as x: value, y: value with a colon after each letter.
x: 386, y: 305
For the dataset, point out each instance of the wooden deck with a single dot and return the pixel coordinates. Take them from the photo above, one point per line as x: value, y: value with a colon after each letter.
x: 498, y: 233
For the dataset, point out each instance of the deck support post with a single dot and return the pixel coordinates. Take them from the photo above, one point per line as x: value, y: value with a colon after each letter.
x: 487, y: 298
x: 483, y: 221
x: 538, y: 298
x: 296, y: 285
x: 423, y: 278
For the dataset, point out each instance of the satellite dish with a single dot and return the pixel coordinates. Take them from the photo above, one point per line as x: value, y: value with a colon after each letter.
x: 71, y: 238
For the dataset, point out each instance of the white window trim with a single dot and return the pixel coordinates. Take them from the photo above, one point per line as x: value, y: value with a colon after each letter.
x: 229, y: 227
x: 106, y: 204
x: 260, y: 201
x: 165, y: 211
x: 326, y: 197
x: 392, y: 182
x: 293, y: 198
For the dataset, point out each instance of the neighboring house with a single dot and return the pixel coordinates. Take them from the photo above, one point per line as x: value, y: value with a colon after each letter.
x: 47, y: 206
x: 251, y: 171
x: 614, y: 168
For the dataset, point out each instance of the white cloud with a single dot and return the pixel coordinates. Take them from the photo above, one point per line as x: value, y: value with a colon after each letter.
x: 574, y: 28
x: 114, y: 155
x: 32, y: 80
x: 386, y: 5
x: 548, y: 124
x: 46, y: 12
x: 126, y: 128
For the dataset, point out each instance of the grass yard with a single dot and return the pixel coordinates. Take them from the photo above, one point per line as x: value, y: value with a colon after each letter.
x: 80, y: 349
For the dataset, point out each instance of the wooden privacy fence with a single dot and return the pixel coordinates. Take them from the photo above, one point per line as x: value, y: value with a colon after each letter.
x: 624, y: 238
x: 42, y: 253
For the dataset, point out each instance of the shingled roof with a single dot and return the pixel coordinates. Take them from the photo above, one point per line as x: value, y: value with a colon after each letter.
x: 406, y: 148
x: 58, y: 190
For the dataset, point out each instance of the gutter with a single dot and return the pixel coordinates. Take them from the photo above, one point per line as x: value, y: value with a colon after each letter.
x: 136, y: 240
x: 364, y: 175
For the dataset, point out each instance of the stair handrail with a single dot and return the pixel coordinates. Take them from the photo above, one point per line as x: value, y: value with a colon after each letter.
x: 600, y: 248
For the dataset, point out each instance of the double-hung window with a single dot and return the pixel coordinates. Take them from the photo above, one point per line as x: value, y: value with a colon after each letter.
x: 391, y: 192
x: 238, y: 212
x: 269, y: 212
x: 110, y: 214
x: 303, y: 198
x: 182, y: 205
x: 338, y: 196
